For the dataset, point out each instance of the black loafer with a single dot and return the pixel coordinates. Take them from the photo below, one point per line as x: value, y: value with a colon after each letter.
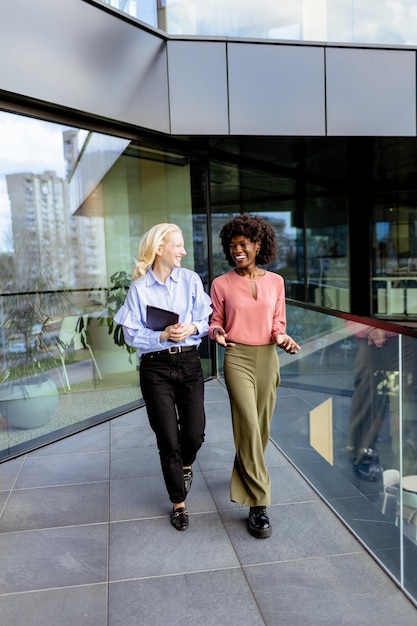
x: 188, y: 479
x: 369, y: 472
x: 258, y: 522
x: 179, y: 518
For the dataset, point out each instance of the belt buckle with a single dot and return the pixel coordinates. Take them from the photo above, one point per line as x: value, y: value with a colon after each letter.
x: 174, y: 350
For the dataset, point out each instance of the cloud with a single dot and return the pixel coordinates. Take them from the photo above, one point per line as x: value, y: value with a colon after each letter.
x: 29, y: 145
x: 26, y: 145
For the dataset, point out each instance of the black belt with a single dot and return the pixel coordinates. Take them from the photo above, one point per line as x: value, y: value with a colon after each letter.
x: 170, y: 351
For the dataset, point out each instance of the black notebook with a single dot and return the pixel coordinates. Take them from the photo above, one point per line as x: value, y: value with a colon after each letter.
x: 159, y: 319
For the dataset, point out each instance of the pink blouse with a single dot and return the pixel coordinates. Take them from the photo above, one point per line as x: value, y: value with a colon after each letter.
x: 247, y: 320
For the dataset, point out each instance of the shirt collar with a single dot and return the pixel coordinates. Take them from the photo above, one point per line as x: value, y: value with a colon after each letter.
x: 151, y: 279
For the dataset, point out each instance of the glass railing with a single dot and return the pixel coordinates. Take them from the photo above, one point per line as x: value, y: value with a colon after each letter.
x: 346, y: 417
x: 64, y: 365
x: 352, y: 21
x: 61, y: 369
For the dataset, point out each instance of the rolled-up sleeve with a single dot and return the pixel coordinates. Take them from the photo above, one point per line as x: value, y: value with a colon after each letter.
x: 201, y: 309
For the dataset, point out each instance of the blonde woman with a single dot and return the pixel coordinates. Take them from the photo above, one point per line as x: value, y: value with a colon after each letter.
x: 170, y: 370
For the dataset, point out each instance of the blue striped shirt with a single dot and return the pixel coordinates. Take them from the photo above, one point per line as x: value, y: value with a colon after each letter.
x: 183, y: 293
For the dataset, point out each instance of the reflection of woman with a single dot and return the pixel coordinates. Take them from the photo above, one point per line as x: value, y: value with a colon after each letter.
x: 249, y: 320
x: 170, y: 371
x: 376, y: 357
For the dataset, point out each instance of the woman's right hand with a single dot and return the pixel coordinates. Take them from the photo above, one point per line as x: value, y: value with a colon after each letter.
x: 287, y: 343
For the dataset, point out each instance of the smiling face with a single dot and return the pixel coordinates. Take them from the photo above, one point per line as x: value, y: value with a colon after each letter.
x: 169, y: 255
x: 243, y: 252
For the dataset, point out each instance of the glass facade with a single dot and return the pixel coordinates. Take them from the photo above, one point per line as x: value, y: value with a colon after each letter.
x: 73, y: 205
x: 72, y: 218
x: 337, y: 21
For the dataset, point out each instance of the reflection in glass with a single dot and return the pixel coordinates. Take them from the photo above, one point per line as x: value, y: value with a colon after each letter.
x: 346, y: 417
x: 342, y: 21
x: 144, y: 10
x: 327, y: 252
x: 395, y: 257
x: 74, y: 205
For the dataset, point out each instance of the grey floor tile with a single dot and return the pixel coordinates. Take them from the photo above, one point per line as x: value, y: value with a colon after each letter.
x: 273, y: 456
x: 124, y: 437
x: 133, y: 418
x: 143, y: 497
x: 199, y: 498
x: 219, y: 430
x: 215, y: 391
x: 9, y: 471
x: 217, y: 409
x: 3, y: 499
x: 219, y: 484
x: 61, y: 506
x: 299, y: 531
x: 73, y: 606
x: 220, y: 455
x: 288, y: 486
x: 58, y: 557
x: 64, y: 469
x: 154, y: 548
x: 136, y: 498
x: 129, y: 462
x: 346, y: 590
x: 311, y: 571
x: 206, y: 598
x: 216, y: 456
x: 92, y: 440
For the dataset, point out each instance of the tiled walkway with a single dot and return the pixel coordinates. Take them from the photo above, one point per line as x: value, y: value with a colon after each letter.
x: 85, y: 540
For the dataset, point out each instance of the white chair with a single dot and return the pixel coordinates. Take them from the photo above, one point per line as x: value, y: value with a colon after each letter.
x: 71, y: 338
x: 390, y: 483
x: 409, y: 510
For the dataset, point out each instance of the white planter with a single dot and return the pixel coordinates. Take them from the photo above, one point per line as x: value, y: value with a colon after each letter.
x: 30, y: 405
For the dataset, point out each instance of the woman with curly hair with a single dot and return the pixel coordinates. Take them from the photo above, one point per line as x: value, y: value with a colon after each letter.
x: 249, y: 321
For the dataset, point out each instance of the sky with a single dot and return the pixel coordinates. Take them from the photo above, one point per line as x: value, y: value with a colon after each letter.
x: 26, y: 145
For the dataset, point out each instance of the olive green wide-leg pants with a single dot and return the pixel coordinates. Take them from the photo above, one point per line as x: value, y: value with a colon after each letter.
x: 252, y: 376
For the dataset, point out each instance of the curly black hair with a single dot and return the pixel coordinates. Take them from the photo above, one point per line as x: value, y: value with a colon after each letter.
x: 255, y: 229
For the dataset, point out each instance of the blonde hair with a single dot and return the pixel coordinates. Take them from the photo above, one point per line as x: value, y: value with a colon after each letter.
x: 156, y: 236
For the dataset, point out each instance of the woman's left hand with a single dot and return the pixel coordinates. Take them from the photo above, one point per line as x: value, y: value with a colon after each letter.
x: 287, y: 343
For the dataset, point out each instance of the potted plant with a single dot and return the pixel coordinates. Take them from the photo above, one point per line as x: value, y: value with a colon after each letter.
x: 28, y: 394
x: 104, y: 302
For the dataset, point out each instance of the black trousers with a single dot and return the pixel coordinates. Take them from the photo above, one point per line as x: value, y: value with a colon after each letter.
x: 173, y: 391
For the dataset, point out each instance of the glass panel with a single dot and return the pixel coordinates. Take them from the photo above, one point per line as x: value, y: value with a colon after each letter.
x: 346, y: 417
x: 300, y: 191
x: 235, y: 190
x: 144, y: 10
x: 358, y: 22
x: 340, y: 21
x: 394, y: 230
x: 72, y: 216
x: 327, y: 252
x: 235, y: 18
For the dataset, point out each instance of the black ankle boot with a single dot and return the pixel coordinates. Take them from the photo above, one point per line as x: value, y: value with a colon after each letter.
x: 258, y: 522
